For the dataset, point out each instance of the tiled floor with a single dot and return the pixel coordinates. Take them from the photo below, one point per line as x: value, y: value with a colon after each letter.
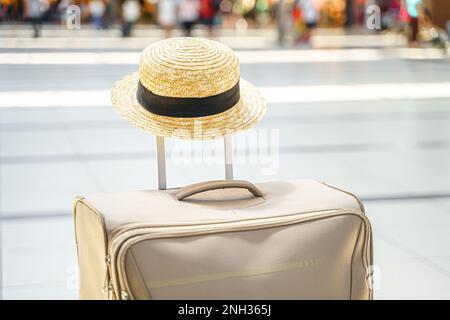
x: 394, y: 153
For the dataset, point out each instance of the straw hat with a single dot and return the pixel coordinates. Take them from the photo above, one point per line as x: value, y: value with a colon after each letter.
x: 188, y: 88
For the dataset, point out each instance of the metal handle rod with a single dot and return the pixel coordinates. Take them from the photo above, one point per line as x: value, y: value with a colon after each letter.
x: 161, y: 159
x: 228, y: 152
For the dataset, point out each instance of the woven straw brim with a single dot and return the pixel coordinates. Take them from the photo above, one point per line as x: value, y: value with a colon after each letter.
x: 248, y: 111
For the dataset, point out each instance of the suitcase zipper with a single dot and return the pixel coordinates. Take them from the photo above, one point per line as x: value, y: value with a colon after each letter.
x: 107, y: 284
x: 141, y: 232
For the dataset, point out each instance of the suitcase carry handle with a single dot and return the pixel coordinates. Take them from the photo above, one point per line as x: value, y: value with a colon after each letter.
x: 195, y: 188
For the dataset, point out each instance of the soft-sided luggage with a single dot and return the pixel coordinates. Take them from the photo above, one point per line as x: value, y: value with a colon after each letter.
x: 225, y: 239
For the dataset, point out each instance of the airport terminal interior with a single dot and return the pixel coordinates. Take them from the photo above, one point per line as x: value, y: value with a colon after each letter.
x: 364, y: 110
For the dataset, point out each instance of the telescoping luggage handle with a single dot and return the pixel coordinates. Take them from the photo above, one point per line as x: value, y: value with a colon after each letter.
x: 192, y: 189
x: 161, y: 160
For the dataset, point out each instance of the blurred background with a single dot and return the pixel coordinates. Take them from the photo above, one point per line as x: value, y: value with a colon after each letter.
x: 358, y: 96
x: 293, y: 19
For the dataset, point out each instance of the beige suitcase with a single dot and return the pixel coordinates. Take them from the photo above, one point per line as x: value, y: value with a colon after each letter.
x: 225, y: 239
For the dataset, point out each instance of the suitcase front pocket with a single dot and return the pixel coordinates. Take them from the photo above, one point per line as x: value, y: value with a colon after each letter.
x: 293, y: 257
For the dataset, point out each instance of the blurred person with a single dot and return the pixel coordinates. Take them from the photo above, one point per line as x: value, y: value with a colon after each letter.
x: 359, y: 12
x: 403, y: 16
x: 52, y: 13
x: 97, y: 9
x: 412, y: 7
x: 6, y: 6
x: 390, y: 18
x: 34, y: 12
x: 305, y: 17
x: 262, y: 10
x: 433, y: 33
x: 188, y: 14
x: 62, y: 9
x: 227, y: 16
x: 447, y: 26
x: 250, y: 14
x: 109, y: 17
x: 349, y: 13
x: 310, y: 17
x: 167, y: 16
x: 131, y: 11
x: 282, y: 13
x: 298, y: 22
x: 208, y: 12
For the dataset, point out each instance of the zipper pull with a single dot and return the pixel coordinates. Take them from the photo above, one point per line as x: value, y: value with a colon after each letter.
x: 107, y: 286
x: 124, y: 295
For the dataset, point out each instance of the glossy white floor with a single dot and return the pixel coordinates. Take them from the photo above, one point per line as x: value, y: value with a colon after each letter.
x: 391, y: 149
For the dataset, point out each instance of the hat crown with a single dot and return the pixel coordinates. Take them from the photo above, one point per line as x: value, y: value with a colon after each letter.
x: 188, y: 67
